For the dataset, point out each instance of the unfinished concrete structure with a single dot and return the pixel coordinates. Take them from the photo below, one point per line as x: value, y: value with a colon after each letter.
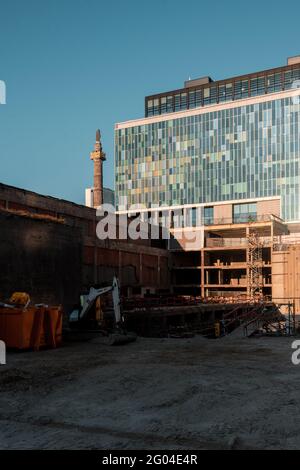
x: 221, y: 266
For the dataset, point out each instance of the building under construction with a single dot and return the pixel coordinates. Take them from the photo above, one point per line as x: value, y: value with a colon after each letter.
x: 237, y: 259
x: 228, y: 149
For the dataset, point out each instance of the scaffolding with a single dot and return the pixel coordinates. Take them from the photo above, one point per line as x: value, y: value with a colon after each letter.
x: 255, y: 262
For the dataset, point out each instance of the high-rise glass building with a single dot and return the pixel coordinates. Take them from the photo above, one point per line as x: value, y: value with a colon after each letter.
x: 231, y: 141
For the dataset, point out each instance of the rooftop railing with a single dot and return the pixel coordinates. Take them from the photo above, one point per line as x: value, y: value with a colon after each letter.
x: 241, y: 219
x: 233, y: 242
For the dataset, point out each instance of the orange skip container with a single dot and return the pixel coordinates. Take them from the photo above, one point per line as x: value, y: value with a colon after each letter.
x: 31, y: 328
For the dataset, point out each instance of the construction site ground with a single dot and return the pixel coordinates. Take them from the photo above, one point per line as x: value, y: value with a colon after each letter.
x: 153, y: 394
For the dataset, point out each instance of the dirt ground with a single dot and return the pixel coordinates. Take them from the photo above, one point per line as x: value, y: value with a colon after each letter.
x: 152, y: 394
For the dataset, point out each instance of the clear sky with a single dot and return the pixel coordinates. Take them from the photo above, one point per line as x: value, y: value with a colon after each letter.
x: 71, y: 66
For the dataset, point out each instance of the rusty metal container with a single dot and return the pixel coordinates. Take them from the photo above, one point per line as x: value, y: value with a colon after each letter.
x: 31, y: 328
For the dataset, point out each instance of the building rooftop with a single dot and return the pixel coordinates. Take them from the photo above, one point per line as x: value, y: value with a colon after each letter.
x: 204, y: 91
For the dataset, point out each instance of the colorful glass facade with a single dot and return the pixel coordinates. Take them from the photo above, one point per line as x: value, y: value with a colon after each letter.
x: 248, y: 151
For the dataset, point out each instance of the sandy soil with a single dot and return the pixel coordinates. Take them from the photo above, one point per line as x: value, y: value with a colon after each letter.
x: 152, y: 394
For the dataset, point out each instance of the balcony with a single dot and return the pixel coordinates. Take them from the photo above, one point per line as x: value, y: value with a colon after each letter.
x: 241, y: 220
x: 233, y: 242
x: 226, y: 242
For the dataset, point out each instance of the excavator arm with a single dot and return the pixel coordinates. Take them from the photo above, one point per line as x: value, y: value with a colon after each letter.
x: 90, y: 299
x: 119, y: 334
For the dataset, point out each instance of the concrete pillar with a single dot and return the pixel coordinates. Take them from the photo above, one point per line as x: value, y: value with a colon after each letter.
x: 202, y: 258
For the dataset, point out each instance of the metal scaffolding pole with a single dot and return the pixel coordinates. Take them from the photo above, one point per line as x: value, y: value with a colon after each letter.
x: 255, y: 262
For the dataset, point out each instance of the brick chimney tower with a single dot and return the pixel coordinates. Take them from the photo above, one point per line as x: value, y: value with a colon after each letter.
x: 98, y: 156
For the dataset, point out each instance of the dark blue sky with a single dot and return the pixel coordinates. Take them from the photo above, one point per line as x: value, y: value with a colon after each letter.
x: 73, y: 66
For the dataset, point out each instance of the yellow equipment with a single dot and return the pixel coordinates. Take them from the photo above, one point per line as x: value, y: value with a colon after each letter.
x: 20, y: 298
x: 217, y: 329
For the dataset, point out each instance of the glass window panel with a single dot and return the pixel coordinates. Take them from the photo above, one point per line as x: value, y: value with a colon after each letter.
x: 163, y: 104
x: 198, y: 98
x: 244, y: 212
x: 150, y: 108
x: 206, y: 96
x: 225, y: 92
x: 222, y: 93
x: 253, y: 86
x: 296, y: 74
x: 287, y: 80
x: 213, y: 94
x: 240, y: 89
x: 183, y: 101
x: 244, y: 89
x: 192, y: 99
x: 273, y: 82
x: 170, y: 104
x: 208, y: 215
x: 156, y: 106
x: 257, y: 86
x: 177, y: 102
x: 237, y: 90
x: 270, y: 82
x: 277, y: 82
x: 289, y: 77
x: 261, y: 85
x: 191, y: 215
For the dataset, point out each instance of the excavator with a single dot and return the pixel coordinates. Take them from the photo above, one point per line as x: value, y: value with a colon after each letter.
x: 90, y: 315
